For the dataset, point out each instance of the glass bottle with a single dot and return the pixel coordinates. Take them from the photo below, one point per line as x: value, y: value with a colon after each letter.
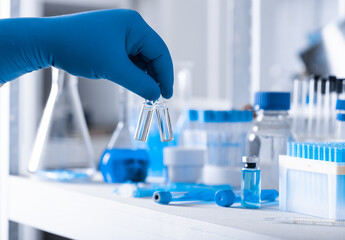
x: 62, y: 150
x: 122, y: 160
x: 251, y: 183
x: 270, y: 134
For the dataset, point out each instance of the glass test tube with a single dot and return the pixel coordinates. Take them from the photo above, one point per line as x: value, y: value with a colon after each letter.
x: 299, y: 106
x: 144, y: 121
x: 163, y: 118
x: 327, y: 111
x: 319, y: 107
x: 312, y: 106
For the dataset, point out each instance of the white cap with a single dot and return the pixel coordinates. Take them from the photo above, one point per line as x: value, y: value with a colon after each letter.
x: 184, y: 156
x: 184, y: 164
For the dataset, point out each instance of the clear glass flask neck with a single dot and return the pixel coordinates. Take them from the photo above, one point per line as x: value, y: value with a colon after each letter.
x: 122, y: 137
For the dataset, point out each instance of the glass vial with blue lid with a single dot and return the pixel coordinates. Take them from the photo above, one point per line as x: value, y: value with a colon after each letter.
x: 251, y: 182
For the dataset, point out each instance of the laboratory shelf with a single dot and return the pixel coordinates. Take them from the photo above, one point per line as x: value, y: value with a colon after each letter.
x: 92, y: 211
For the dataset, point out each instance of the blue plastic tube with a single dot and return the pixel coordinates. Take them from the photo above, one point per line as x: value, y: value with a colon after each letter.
x: 223, y: 197
x: 139, y: 190
x: 165, y: 197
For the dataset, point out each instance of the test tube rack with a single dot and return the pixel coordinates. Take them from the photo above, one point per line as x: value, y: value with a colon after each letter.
x: 312, y: 179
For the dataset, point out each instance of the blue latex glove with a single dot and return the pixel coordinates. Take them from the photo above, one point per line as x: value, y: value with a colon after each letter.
x: 117, y: 45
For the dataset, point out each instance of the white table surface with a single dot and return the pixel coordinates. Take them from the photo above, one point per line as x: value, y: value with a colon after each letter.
x: 92, y: 211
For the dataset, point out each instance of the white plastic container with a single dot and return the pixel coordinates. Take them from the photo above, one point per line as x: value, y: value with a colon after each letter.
x: 312, y: 187
x: 184, y: 164
x: 224, y: 166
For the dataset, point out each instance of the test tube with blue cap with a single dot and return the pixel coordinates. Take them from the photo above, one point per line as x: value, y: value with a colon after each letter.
x: 222, y: 195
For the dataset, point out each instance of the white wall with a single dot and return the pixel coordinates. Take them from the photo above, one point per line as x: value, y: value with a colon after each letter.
x: 182, y: 25
x: 285, y: 26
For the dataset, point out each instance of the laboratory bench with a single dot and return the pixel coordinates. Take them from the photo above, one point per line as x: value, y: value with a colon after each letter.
x: 93, y: 211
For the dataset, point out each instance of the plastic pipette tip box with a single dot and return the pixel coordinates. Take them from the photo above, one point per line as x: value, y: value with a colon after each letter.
x: 312, y: 179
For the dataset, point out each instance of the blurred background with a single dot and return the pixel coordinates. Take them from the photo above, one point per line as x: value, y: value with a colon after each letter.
x: 231, y: 48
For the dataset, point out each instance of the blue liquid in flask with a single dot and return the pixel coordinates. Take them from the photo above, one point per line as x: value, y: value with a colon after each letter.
x: 121, y: 165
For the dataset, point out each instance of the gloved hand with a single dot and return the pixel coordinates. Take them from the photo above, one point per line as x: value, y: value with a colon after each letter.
x: 117, y: 45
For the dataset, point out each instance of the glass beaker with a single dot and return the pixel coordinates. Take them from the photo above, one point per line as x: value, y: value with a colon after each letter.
x: 62, y: 150
x: 122, y: 160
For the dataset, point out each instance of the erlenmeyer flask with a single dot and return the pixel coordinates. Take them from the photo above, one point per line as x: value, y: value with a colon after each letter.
x: 122, y: 160
x: 62, y: 149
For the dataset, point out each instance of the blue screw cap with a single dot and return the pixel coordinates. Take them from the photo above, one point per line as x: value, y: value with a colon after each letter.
x: 225, y: 198
x: 208, y: 116
x: 162, y: 197
x: 340, y: 104
x: 193, y: 115
x: 248, y: 116
x: 274, y: 101
x: 222, y: 116
x: 341, y: 117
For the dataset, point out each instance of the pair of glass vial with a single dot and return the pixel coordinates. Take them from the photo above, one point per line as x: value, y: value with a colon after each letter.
x: 145, y: 119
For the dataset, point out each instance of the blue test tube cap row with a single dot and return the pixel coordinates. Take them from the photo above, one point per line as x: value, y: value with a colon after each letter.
x: 323, y: 151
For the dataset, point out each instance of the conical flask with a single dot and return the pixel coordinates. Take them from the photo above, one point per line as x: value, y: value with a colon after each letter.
x: 122, y: 160
x: 62, y: 149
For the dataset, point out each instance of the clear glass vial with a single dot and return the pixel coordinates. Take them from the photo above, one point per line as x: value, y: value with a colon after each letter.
x: 145, y: 119
x: 251, y: 183
x: 62, y: 150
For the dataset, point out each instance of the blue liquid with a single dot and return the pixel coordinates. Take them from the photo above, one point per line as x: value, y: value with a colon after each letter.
x: 121, y: 165
x: 250, y: 188
x: 155, y: 145
x: 63, y: 175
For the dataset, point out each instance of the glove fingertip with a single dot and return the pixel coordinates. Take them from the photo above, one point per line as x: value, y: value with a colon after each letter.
x: 167, y: 93
x: 154, y: 95
x: 151, y: 93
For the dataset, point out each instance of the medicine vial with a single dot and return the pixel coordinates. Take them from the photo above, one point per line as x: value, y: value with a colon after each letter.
x: 251, y: 182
